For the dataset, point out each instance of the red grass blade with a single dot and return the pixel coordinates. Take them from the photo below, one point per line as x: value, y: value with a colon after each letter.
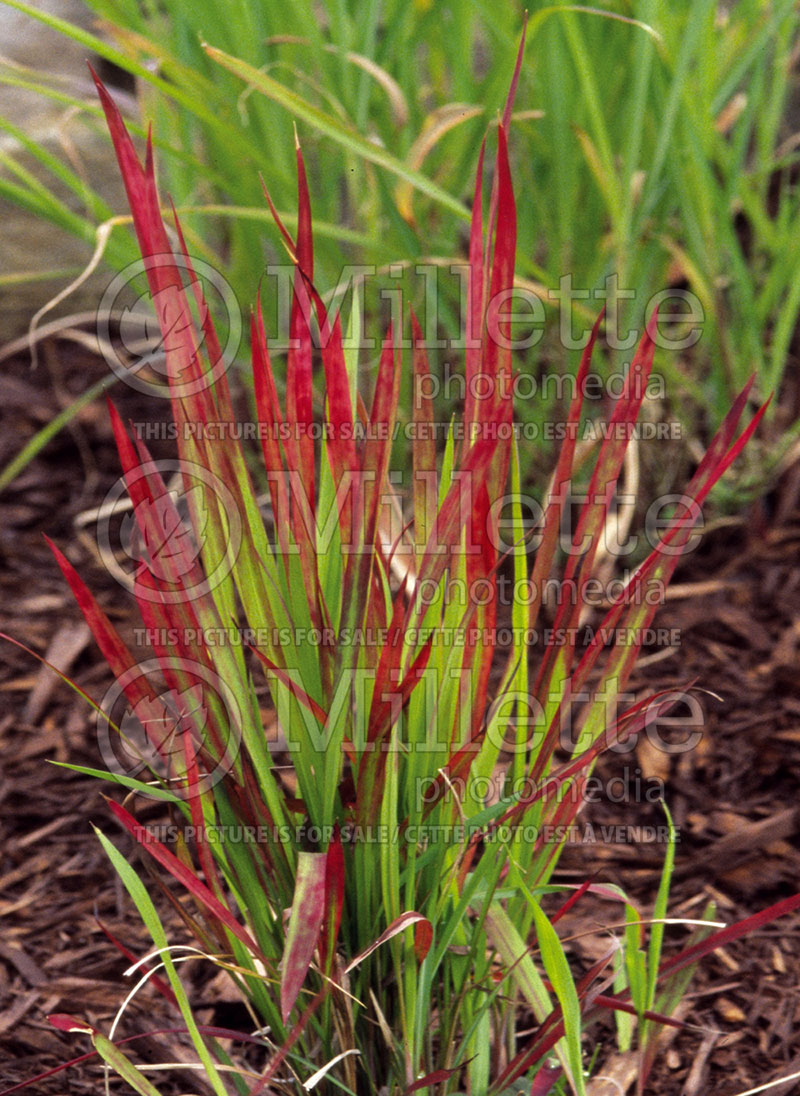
x: 423, y: 938
x: 452, y: 518
x: 512, y: 90
x: 340, y: 443
x: 163, y: 987
x: 185, y: 876
x: 586, y: 540
x: 497, y: 357
x: 299, y: 382
x: 384, y: 713
x: 140, y: 186
x: 424, y: 443
x: 570, y: 902
x: 438, y: 1077
x: 295, y: 689
x: 546, y: 550
x: 727, y: 935
x: 305, y: 924
x: 271, y: 420
x: 661, y: 563
x: 474, y: 332
x: 398, y: 925
x: 178, y: 329
x: 221, y: 390
x: 374, y: 471
x: 603, y: 1000
x: 123, y: 665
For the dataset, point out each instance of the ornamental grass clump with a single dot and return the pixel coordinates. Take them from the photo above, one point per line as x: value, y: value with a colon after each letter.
x: 378, y: 908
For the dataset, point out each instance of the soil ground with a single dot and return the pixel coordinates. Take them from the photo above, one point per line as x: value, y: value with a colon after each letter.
x: 734, y: 796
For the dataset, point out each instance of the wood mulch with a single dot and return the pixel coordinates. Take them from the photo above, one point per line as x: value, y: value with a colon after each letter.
x: 734, y: 796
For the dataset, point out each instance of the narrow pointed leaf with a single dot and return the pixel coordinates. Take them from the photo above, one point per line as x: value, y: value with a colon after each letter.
x: 193, y: 884
x: 400, y: 924
x: 305, y: 923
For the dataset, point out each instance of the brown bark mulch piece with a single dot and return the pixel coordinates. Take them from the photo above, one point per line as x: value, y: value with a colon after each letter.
x: 734, y: 796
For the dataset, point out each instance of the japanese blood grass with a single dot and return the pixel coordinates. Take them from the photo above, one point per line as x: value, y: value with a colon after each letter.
x: 386, y: 907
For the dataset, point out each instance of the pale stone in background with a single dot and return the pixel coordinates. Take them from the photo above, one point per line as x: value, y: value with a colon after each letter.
x: 28, y: 244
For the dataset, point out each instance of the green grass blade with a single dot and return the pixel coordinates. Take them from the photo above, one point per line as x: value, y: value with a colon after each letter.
x: 346, y: 138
